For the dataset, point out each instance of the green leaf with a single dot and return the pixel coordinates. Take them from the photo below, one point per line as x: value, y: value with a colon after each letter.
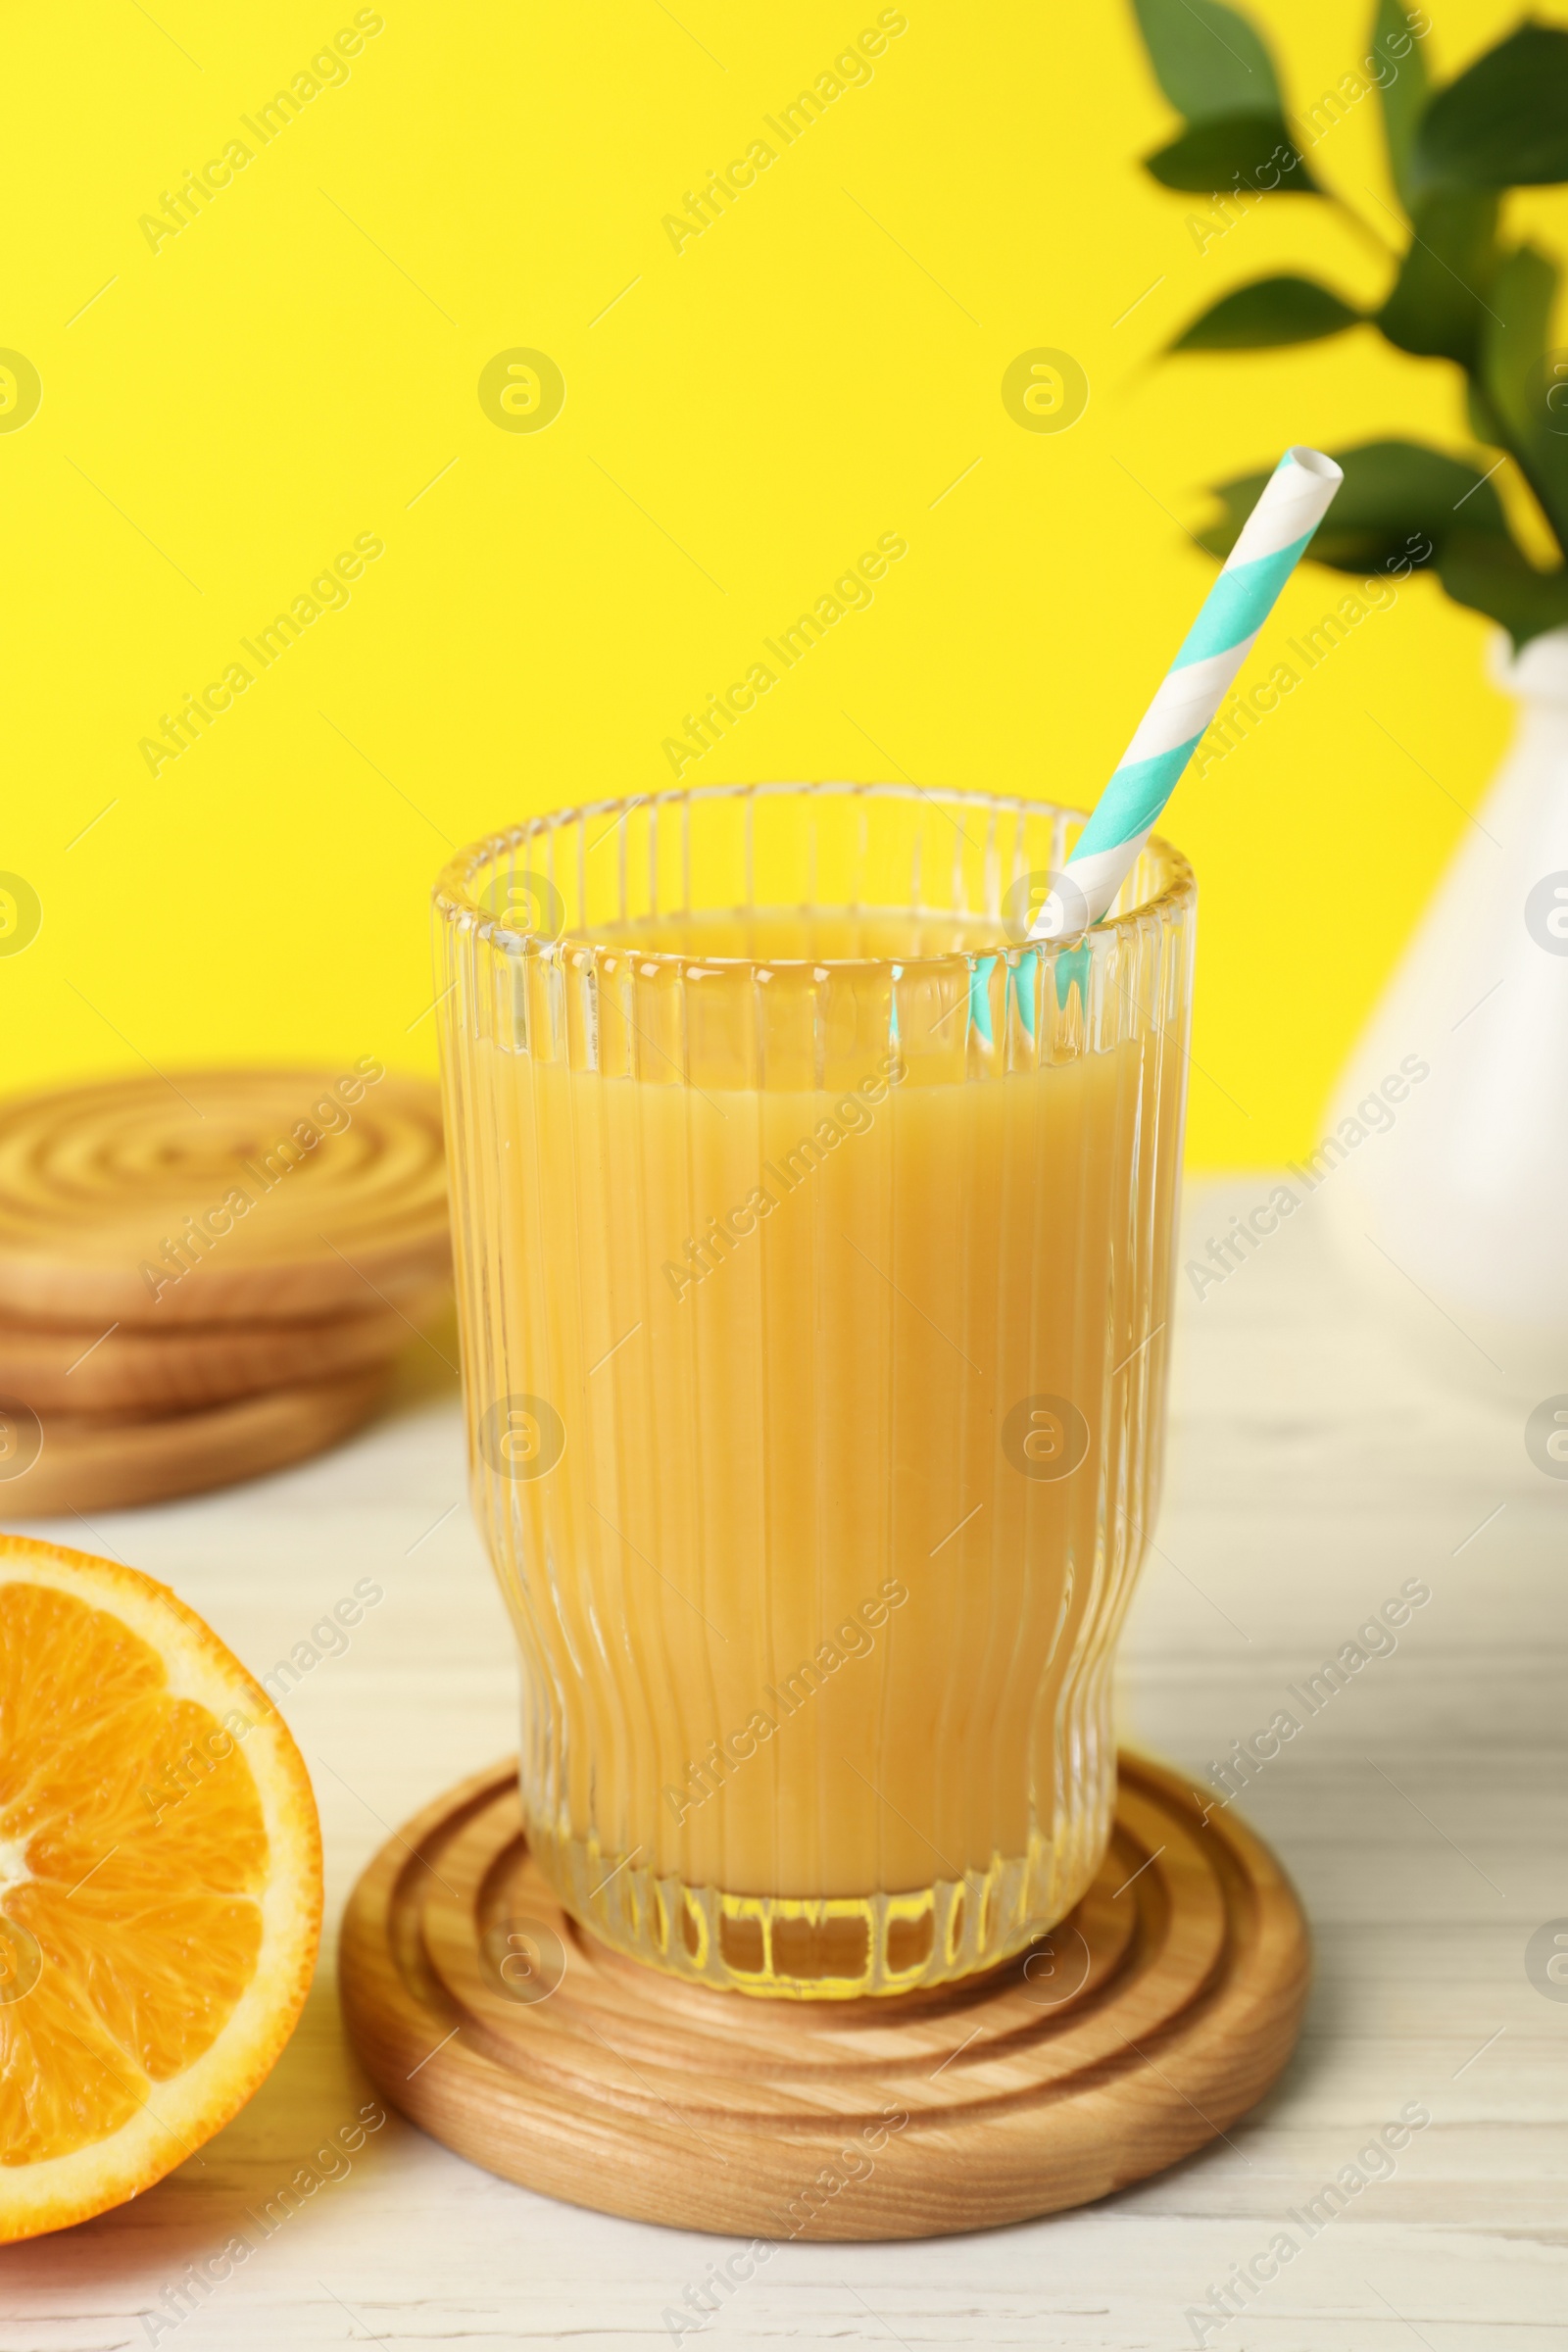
x: 1517, y: 337
x: 1437, y: 308
x: 1491, y: 576
x: 1207, y: 59
x: 1402, y: 89
x: 1403, y: 508
x: 1503, y: 125
x: 1516, y: 382
x: 1398, y: 506
x: 1255, y: 152
x: 1269, y: 311
x: 1481, y: 417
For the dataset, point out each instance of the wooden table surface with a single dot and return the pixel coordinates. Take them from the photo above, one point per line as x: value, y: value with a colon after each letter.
x: 1314, y: 1465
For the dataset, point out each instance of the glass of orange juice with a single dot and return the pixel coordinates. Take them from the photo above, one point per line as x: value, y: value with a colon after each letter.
x: 813, y: 1233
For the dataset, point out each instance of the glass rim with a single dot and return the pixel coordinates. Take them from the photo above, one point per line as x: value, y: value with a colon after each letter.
x: 453, y: 899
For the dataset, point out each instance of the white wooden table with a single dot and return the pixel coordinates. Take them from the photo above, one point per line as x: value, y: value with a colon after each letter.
x: 1313, y: 1467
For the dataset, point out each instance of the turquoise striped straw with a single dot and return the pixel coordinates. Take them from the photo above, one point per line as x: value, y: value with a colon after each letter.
x: 1273, y: 540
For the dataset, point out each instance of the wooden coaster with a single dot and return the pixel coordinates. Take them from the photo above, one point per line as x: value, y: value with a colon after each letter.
x: 54, y: 1369
x: 60, y: 1462
x: 1139, y: 2029
x: 216, y: 1196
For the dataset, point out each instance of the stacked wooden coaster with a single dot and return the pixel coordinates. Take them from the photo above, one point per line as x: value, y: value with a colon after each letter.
x: 207, y: 1276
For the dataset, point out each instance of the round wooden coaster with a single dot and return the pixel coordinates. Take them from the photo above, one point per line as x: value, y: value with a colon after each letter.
x: 1140, y: 2029
x: 61, y: 1463
x: 252, y: 1196
x: 55, y: 1369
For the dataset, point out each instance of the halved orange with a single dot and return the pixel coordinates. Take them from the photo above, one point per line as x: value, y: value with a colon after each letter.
x: 160, y: 1884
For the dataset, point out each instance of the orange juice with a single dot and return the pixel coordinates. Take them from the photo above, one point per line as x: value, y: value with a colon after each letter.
x: 814, y: 1344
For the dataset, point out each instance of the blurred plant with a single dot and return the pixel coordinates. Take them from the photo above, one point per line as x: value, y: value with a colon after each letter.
x: 1458, y: 292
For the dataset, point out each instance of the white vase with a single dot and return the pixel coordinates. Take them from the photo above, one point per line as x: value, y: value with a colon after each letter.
x: 1453, y: 1200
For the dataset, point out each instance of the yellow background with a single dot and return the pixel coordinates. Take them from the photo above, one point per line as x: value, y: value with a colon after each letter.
x: 302, y: 360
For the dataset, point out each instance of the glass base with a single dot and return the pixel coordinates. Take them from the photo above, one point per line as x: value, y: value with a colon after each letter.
x: 836, y: 1949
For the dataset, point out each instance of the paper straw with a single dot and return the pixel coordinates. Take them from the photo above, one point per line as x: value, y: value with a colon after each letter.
x: 1273, y: 540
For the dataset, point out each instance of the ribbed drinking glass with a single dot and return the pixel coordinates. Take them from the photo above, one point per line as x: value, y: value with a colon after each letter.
x: 813, y: 1234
